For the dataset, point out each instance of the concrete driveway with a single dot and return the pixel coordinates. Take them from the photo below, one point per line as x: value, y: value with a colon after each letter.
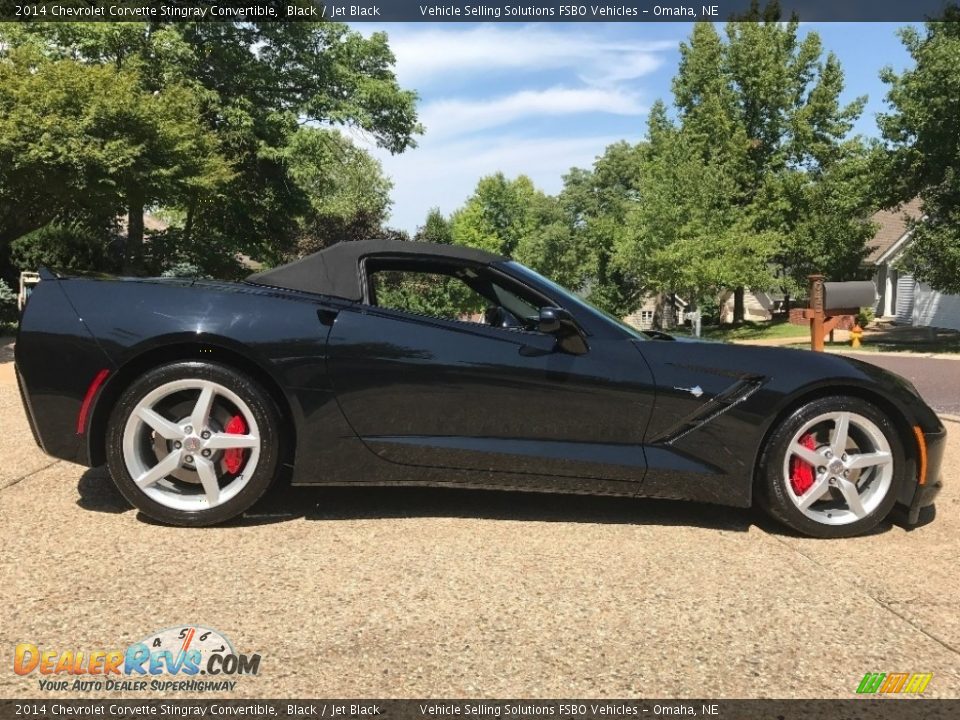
x: 432, y: 593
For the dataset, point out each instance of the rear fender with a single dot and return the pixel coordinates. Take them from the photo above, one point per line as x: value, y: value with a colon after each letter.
x: 57, y: 359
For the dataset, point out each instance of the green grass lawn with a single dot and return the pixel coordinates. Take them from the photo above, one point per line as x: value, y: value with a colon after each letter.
x: 902, y: 340
x: 926, y: 348
x: 756, y: 331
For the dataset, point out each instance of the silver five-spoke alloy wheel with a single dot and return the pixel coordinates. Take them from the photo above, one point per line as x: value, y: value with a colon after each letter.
x: 851, y: 466
x: 174, y: 442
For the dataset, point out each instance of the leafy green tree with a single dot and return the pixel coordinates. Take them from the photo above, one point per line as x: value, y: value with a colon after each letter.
x: 435, y: 229
x: 69, y: 246
x: 8, y: 305
x: 497, y: 217
x: 515, y: 219
x: 763, y: 105
x: 348, y: 194
x: 921, y: 129
x: 596, y: 204
x: 256, y: 88
x: 687, y: 234
x: 84, y: 141
x: 268, y: 80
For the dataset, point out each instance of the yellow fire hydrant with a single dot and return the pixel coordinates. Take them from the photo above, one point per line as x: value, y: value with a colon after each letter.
x: 855, y: 334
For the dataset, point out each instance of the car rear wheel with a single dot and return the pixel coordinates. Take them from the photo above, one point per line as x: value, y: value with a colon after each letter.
x: 833, y: 468
x: 193, y: 443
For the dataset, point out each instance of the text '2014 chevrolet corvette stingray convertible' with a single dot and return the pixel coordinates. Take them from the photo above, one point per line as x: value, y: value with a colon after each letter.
x: 389, y: 362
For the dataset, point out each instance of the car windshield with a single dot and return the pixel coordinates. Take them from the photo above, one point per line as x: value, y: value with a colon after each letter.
x: 571, y: 299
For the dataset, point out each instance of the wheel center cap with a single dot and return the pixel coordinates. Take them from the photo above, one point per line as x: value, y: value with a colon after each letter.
x: 835, y: 466
x: 192, y: 444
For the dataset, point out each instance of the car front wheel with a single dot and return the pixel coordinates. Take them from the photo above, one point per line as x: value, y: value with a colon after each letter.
x: 833, y: 468
x: 193, y: 443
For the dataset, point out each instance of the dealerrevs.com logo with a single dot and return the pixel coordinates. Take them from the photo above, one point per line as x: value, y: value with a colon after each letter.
x: 186, y: 658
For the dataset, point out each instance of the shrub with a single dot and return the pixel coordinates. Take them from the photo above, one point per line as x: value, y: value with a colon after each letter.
x: 8, y: 304
x: 865, y: 316
x: 70, y: 246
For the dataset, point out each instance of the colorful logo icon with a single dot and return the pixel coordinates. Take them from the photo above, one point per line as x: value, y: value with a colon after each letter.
x: 894, y: 683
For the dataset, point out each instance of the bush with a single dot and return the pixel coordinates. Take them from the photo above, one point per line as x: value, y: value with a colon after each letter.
x: 70, y: 246
x: 184, y: 270
x: 168, y: 254
x: 8, y: 305
x: 865, y: 316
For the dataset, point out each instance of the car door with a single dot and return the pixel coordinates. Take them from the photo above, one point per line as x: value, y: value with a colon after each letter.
x: 450, y: 392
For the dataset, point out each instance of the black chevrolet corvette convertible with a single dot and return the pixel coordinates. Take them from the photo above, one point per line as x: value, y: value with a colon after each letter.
x: 385, y: 362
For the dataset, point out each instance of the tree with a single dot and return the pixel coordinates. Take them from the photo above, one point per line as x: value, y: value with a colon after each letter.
x: 515, y: 219
x: 435, y: 229
x: 67, y: 246
x: 8, y: 305
x: 596, y: 204
x: 83, y: 141
x: 921, y: 130
x: 688, y: 235
x: 763, y: 106
x: 497, y: 217
x: 348, y: 194
x: 259, y: 88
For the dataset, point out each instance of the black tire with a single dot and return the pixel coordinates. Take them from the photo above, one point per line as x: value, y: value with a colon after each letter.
x: 772, y: 485
x: 262, y: 407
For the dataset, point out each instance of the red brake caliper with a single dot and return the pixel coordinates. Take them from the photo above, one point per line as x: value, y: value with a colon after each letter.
x: 801, y: 472
x: 233, y: 457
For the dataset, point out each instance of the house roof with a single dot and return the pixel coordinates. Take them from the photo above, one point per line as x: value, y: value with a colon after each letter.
x: 892, y: 226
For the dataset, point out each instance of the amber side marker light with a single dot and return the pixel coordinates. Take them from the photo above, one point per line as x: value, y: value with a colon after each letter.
x: 922, y: 448
x: 88, y: 399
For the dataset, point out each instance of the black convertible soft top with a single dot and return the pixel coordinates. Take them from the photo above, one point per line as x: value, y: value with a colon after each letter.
x: 336, y: 270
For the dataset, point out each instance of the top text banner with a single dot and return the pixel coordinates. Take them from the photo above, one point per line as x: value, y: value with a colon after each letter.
x: 637, y: 11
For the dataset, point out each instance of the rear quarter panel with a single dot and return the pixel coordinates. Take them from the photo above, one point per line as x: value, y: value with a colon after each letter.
x: 74, y: 327
x: 56, y: 359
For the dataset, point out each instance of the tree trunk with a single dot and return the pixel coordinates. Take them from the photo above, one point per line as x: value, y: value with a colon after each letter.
x: 786, y: 304
x: 188, y: 225
x: 738, y: 312
x: 133, y: 250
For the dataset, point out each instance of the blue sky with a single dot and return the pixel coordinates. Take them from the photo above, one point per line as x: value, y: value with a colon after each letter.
x: 539, y: 99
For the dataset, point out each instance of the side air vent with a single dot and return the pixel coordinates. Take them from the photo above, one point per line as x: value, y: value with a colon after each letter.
x: 717, y: 406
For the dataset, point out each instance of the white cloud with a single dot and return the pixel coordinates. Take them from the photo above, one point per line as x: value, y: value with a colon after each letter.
x: 477, y: 82
x: 443, y: 174
x: 448, y: 117
x: 426, y: 54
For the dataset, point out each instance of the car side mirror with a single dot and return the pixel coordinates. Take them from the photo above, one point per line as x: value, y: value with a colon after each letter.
x: 550, y: 320
x: 559, y: 323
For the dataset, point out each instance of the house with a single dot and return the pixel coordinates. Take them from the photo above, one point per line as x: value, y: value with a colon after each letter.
x: 901, y: 297
x: 661, y: 311
x: 664, y: 311
x: 757, y: 305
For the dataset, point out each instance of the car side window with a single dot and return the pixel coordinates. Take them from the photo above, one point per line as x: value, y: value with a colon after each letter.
x: 431, y: 294
x: 451, y: 293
